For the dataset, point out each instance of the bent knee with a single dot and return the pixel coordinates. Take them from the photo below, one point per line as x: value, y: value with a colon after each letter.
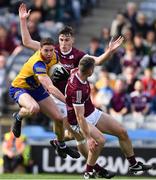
x: 58, y: 118
x: 34, y: 109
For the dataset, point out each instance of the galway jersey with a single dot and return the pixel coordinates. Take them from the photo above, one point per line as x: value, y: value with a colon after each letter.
x: 69, y: 62
x: 35, y: 65
x: 77, y: 93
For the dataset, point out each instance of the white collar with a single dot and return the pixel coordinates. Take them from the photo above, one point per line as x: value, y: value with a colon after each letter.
x: 83, y: 82
x: 65, y: 53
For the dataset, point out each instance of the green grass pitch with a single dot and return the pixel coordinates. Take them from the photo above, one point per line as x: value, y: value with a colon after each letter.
x: 58, y: 177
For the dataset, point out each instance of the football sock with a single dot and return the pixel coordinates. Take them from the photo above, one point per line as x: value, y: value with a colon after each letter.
x: 132, y: 160
x: 18, y: 117
x: 89, y: 168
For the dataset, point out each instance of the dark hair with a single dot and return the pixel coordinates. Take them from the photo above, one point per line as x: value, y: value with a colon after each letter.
x: 138, y: 34
x: 67, y: 30
x: 95, y: 40
x: 86, y: 63
x: 46, y: 41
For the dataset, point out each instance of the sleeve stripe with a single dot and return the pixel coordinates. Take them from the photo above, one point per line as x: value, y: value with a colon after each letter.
x: 78, y: 96
x: 41, y: 73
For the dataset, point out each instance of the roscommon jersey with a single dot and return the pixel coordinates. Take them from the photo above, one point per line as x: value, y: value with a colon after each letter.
x: 35, y: 65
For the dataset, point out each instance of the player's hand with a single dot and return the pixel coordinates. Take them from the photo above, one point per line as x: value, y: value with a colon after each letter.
x: 23, y: 13
x: 91, y: 144
x: 113, y: 45
x: 60, y: 74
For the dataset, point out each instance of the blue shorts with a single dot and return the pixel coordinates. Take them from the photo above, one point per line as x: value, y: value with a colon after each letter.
x: 38, y: 93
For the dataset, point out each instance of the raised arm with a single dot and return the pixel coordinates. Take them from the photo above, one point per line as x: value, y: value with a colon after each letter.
x: 113, y: 46
x: 26, y: 38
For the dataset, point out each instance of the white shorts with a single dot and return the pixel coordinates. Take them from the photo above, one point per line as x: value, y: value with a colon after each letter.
x: 62, y: 106
x: 94, y: 117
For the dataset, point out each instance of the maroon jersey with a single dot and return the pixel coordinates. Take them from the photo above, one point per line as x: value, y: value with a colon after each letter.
x: 69, y: 61
x: 135, y: 62
x: 77, y: 92
x: 139, y: 100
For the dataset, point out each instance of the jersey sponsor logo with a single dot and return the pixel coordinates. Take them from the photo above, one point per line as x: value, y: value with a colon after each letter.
x: 71, y: 56
x: 68, y: 66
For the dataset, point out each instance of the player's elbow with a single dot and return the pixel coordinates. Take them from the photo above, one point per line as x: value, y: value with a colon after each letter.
x: 25, y: 43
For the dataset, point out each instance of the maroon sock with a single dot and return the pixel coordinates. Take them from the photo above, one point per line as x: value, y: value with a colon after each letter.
x: 89, y: 168
x: 132, y: 160
x: 97, y: 167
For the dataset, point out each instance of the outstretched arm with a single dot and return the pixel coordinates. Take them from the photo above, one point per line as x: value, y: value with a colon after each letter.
x: 47, y: 84
x: 113, y: 45
x: 26, y: 38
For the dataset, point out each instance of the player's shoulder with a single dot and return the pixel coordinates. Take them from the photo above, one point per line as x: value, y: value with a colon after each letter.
x: 78, y: 51
x: 33, y: 59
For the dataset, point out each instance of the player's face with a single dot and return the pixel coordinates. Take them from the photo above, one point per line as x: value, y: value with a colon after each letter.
x: 65, y: 42
x: 47, y: 52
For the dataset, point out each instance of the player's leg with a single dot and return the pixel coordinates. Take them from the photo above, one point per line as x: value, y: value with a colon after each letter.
x: 61, y: 111
x: 81, y: 143
x: 109, y: 125
x: 101, y: 172
x: 78, y: 136
x: 98, y: 136
x: 28, y: 107
x: 7, y: 164
x: 93, y: 156
x: 49, y: 108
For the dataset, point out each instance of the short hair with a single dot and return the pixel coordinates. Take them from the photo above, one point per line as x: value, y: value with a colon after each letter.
x: 67, y: 30
x: 95, y: 40
x: 46, y: 41
x: 86, y: 63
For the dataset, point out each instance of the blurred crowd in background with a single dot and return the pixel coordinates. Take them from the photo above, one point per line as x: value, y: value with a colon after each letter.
x: 124, y: 86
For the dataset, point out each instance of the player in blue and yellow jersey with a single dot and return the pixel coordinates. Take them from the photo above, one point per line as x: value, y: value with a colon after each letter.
x: 31, y: 89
